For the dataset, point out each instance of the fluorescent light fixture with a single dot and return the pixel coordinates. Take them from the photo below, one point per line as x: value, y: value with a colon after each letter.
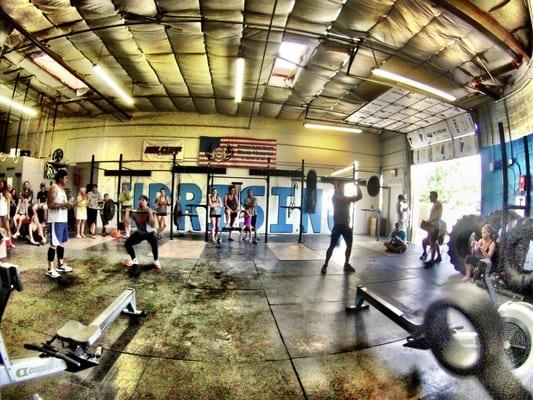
x: 239, y: 79
x: 47, y: 63
x: 349, y: 168
x: 333, y: 128
x: 17, y: 106
x: 409, y: 82
x: 111, y: 83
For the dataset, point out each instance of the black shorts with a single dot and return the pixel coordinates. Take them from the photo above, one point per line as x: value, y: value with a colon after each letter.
x: 475, y: 260
x: 343, y: 230
x: 92, y: 215
x: 433, y: 236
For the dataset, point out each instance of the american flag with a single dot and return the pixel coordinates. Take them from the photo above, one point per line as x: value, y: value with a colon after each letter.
x: 237, y: 152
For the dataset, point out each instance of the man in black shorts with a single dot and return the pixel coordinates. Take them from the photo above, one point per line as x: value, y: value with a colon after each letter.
x: 341, y: 224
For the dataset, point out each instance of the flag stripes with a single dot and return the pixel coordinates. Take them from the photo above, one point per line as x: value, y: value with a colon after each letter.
x: 245, y: 153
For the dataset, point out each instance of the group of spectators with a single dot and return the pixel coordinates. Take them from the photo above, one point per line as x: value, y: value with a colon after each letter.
x: 23, y: 215
x: 434, y: 226
x: 232, y: 209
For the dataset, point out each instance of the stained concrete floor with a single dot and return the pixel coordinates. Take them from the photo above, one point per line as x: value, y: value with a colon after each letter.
x: 235, y: 322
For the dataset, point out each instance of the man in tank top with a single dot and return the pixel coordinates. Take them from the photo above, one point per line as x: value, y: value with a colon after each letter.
x: 58, y: 207
x: 145, y: 220
x: 341, y: 225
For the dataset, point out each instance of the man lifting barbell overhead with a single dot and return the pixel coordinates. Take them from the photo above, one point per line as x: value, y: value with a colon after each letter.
x: 341, y: 224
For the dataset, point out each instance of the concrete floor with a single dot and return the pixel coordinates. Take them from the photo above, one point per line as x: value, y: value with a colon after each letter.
x: 234, y: 322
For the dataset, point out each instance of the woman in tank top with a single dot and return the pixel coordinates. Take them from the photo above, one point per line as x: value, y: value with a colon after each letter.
x: 481, y: 250
x: 215, y: 209
x: 5, y: 200
x: 81, y: 212
x: 21, y: 214
x: 161, y: 203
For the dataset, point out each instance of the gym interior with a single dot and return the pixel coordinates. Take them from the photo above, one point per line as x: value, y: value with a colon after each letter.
x: 240, y: 143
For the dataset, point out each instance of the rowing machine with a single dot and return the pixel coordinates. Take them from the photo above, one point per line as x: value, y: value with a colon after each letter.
x: 484, y: 351
x: 75, y: 338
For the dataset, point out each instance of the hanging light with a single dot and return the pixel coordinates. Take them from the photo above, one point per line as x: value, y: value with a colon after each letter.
x: 333, y: 128
x: 410, y: 82
x: 17, y: 106
x: 350, y: 168
x: 111, y: 83
x: 239, y: 79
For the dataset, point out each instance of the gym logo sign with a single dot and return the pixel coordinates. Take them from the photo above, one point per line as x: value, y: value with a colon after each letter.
x: 22, y: 372
x: 162, y: 150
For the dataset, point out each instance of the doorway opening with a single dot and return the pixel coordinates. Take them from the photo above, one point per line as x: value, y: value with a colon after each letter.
x: 458, y: 183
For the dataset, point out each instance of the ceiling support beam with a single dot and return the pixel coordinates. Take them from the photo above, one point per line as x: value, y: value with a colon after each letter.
x: 7, y: 18
x: 482, y: 21
x: 262, y: 62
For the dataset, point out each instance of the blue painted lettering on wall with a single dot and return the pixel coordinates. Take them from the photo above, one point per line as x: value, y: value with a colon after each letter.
x: 191, y: 195
x: 283, y: 194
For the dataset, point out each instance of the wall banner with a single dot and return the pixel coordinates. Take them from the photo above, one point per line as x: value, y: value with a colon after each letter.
x: 162, y: 150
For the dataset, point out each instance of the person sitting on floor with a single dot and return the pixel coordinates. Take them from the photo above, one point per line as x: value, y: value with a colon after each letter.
x: 396, y: 242
x: 481, y: 251
x: 36, y: 233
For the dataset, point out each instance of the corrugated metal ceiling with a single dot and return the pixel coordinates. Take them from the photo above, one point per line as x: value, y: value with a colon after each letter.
x: 180, y: 55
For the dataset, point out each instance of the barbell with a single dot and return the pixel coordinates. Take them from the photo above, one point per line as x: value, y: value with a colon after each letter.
x: 373, y: 186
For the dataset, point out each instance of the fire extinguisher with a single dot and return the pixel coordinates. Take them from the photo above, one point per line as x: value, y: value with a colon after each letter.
x: 77, y: 178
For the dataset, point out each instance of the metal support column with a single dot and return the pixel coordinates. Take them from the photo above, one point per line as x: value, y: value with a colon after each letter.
x: 119, y: 189
x: 172, y: 207
x: 505, y: 179
x: 92, y: 170
x: 302, y: 179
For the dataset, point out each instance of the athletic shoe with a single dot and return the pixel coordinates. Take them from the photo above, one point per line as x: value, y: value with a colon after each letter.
x: 324, y: 269
x: 423, y: 256
x: 230, y: 239
x: 157, y: 266
x: 131, y: 263
x: 254, y: 241
x: 52, y: 273
x: 438, y: 260
x: 429, y: 264
x: 63, y: 268
x: 348, y: 268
